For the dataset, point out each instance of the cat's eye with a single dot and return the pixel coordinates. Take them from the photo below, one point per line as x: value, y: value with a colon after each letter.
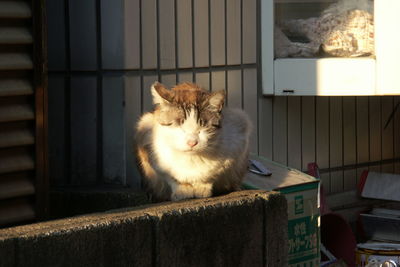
x: 216, y: 126
x: 166, y: 124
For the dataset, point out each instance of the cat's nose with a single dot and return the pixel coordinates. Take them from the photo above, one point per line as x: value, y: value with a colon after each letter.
x: 192, y: 143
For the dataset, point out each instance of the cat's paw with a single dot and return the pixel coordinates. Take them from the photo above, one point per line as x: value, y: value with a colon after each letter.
x: 182, y: 191
x: 202, y: 190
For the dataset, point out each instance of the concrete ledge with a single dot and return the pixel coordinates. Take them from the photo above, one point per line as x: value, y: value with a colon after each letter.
x: 67, y: 202
x: 246, y: 228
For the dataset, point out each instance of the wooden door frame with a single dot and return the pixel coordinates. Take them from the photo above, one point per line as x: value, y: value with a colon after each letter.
x: 39, y: 30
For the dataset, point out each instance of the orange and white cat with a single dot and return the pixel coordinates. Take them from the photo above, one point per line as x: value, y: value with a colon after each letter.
x: 191, y: 146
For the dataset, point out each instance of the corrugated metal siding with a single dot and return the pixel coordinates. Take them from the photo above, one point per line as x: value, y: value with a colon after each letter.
x: 104, y: 57
x: 344, y: 135
x: 22, y: 119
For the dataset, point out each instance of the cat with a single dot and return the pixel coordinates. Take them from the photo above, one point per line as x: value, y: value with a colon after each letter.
x: 191, y: 146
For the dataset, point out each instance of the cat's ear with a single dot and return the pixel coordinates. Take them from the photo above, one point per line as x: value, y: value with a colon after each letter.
x: 216, y: 100
x: 161, y: 95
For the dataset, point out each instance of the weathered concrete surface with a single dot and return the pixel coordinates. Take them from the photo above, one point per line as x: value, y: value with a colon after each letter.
x: 84, y: 241
x: 276, y: 228
x: 247, y: 228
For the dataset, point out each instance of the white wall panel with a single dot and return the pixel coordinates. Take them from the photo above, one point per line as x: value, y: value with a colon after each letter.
x: 294, y: 132
x: 166, y: 16
x: 217, y: 35
x: 56, y: 35
x: 308, y: 131
x: 250, y: 102
x: 83, y: 35
x: 83, y: 130
x: 233, y: 32
x: 349, y: 141
x: 185, y: 30
x: 322, y: 138
x: 203, y: 80
x: 279, y: 128
x: 113, y: 130
x: 131, y: 36
x: 201, y: 33
x: 218, y: 80
x: 133, y: 93
x: 234, y: 88
x: 58, y: 163
x: 149, y: 33
x: 112, y: 34
x: 249, y: 34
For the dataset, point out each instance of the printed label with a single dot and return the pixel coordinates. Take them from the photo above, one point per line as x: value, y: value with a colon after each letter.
x: 303, y: 239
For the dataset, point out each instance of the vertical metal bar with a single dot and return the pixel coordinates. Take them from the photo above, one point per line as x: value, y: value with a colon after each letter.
x: 241, y: 50
x: 176, y: 35
x: 209, y: 43
x: 301, y: 132
x: 393, y: 133
x: 226, y: 53
x: 315, y: 128
x: 381, y: 129
x: 258, y: 47
x: 193, y: 44
x: 356, y: 131
x: 140, y: 36
x: 287, y: 129
x: 99, y: 100
x: 98, y: 36
x: 67, y: 118
x: 369, y: 132
x: 259, y: 74
x: 329, y: 142
x: 67, y: 93
x: 342, y: 118
x: 158, y: 38
x: 141, y: 53
x: 67, y: 36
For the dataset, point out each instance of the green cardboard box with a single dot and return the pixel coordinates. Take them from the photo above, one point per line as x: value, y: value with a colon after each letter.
x: 301, y: 191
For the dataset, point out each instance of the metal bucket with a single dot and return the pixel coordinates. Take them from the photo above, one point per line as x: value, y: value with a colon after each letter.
x: 378, y: 254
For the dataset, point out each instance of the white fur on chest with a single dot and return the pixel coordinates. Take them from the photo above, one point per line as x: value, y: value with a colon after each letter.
x: 189, y: 167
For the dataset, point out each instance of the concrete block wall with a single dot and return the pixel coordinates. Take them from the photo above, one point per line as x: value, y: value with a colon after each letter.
x: 245, y: 228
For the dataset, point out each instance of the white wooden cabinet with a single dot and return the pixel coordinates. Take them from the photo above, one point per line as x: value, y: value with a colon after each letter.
x: 379, y: 75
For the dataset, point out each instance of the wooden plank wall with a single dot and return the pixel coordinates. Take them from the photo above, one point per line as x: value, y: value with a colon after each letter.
x: 104, y: 55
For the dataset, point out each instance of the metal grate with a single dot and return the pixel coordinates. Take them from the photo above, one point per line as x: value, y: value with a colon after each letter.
x: 109, y: 53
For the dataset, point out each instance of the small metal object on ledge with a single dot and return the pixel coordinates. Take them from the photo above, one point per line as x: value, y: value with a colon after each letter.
x: 257, y: 168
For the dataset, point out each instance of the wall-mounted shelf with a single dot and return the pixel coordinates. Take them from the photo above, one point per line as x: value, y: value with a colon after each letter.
x: 376, y: 75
